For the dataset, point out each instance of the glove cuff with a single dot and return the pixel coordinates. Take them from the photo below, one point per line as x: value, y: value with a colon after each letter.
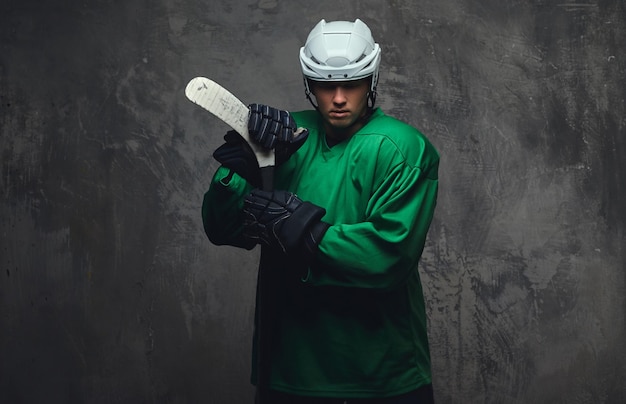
x: 313, y: 237
x: 303, y: 218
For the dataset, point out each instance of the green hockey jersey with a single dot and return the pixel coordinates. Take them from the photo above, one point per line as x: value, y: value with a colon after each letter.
x: 352, y: 323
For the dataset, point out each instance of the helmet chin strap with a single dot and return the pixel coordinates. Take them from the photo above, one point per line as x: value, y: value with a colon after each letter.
x: 371, y: 99
x: 307, y: 92
x: 308, y: 97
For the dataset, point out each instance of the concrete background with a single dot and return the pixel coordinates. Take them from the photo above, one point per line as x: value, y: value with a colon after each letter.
x: 109, y: 290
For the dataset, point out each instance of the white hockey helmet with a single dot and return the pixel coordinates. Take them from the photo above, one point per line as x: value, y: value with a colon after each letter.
x: 340, y: 51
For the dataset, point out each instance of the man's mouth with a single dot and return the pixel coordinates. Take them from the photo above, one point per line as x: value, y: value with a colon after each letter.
x: 339, y: 113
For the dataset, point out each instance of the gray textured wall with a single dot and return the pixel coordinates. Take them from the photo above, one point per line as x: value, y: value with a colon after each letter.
x: 109, y: 291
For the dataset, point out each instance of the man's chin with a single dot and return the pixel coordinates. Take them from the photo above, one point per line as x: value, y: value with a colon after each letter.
x: 340, y: 123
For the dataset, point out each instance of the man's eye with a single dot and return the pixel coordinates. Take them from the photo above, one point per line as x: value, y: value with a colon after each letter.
x: 327, y: 86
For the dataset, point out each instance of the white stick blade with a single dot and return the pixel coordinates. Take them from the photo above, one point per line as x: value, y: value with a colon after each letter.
x: 220, y: 102
x: 225, y: 106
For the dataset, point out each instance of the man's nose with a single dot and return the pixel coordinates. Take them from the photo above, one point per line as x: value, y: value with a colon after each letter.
x: 339, y: 97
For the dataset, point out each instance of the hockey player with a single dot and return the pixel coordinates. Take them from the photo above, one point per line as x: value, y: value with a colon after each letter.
x: 341, y: 233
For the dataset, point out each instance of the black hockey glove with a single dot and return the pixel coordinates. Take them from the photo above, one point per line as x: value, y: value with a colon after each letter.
x: 275, y: 129
x: 281, y: 220
x: 237, y: 155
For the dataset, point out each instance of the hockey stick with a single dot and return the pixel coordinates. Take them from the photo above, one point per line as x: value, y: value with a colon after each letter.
x: 224, y: 105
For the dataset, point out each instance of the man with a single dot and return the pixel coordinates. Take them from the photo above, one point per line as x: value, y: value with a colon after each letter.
x: 341, y: 234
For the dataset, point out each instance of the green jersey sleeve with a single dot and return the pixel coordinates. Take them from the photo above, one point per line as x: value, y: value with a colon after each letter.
x: 380, y: 251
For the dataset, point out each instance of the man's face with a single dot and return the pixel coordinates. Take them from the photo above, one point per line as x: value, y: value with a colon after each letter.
x: 342, y: 105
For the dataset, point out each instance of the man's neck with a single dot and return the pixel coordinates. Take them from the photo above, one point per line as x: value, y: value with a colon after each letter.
x: 335, y: 135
